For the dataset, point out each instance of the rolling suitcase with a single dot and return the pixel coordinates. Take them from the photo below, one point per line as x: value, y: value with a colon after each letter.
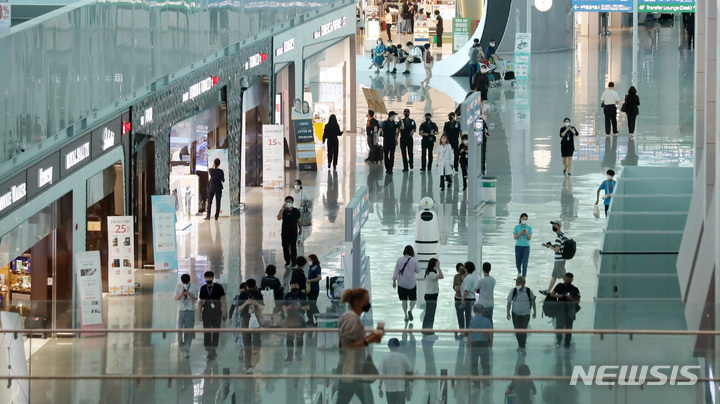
x: 376, y: 154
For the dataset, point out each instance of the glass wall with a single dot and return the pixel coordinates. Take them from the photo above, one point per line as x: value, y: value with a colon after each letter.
x: 326, y: 76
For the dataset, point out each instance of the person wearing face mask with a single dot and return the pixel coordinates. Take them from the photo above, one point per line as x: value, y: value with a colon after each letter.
x: 186, y: 294
x: 520, y: 301
x: 406, y: 140
x: 568, y: 297
x: 559, y: 262
x: 433, y: 274
x: 217, y: 177
x: 391, y: 55
x: 444, y: 162
x: 461, y: 309
x: 481, y: 83
x: 295, y: 305
x: 300, y: 196
x: 291, y: 228
x: 490, y: 51
x: 250, y: 303
x: 452, y: 130
x: 428, y: 63
x: 378, y: 57
x: 428, y: 130
x: 567, y: 145
x: 404, y: 279
x: 463, y: 159
x: 212, y: 311
x: 439, y: 28
x: 522, y: 234
x: 390, y: 132
x: 609, y: 187
x: 353, y: 346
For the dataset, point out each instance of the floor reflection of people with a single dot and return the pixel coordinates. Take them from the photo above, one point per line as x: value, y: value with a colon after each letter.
x: 294, y: 391
x: 631, y: 158
x: 390, y: 205
x: 610, y: 157
x: 568, y: 210
x: 406, y: 208
x: 431, y: 386
x: 426, y: 186
x: 215, y: 250
x: 331, y: 196
x: 562, y: 391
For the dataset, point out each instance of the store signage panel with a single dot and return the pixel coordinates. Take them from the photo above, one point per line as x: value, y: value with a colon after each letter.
x: 13, y: 193
x: 273, y: 156
x: 121, y: 255
x: 286, y: 47
x: 89, y: 286
x: 106, y: 137
x: 602, y: 5
x: 330, y: 27
x: 76, y: 155
x: 660, y: 6
x: 255, y: 60
x: 43, y: 174
x: 199, y: 88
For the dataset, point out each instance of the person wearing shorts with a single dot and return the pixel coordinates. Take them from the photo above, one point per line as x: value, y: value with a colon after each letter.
x: 559, y: 262
x: 404, y: 279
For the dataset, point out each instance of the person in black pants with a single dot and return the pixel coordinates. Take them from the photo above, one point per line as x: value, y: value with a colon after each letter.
x: 390, y: 131
x: 291, y: 228
x: 406, y: 140
x: 331, y: 134
x: 439, y: 28
x: 568, y: 298
x: 433, y: 274
x: 215, y: 187
x: 452, y: 131
x: 294, y: 306
x: 463, y: 159
x: 632, y: 104
x: 609, y: 100
x: 249, y: 305
x: 213, y: 312
x: 428, y: 130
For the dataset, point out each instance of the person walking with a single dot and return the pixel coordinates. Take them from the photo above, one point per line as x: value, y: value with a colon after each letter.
x: 353, y: 346
x: 186, y: 294
x: 404, y: 280
x: 300, y: 196
x: 467, y: 290
x: 567, y: 145
x: 394, y: 364
x: 236, y: 322
x: 371, y: 129
x: 568, y: 305
x: 486, y: 290
x: 444, y: 162
x: 433, y: 274
x: 314, y: 277
x: 474, y: 57
x: 331, y: 134
x: 524, y: 390
x: 250, y: 306
x: 609, y: 187
x: 294, y: 306
x: 481, y: 83
x: 632, y: 104
x: 406, y: 140
x: 522, y: 234
x: 406, y: 16
x: 463, y: 153
x: 451, y: 129
x: 559, y: 262
x: 270, y: 281
x: 609, y: 101
x: 212, y: 311
x: 390, y: 131
x: 428, y: 130
x: 439, y: 28
x: 479, y: 344
x: 462, y: 310
x: 690, y: 28
x: 214, y: 189
x: 388, y: 23
x: 291, y: 229
x: 428, y: 63
x: 520, y: 300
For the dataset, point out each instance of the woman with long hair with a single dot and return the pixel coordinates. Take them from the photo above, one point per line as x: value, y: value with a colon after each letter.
x: 331, y: 134
x: 433, y: 274
x: 632, y: 104
x: 459, y: 306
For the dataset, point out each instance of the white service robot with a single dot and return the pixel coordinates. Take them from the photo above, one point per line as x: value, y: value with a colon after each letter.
x: 427, y: 240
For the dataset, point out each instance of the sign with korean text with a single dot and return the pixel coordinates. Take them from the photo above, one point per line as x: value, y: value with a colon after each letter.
x: 273, y: 157
x: 121, y: 255
x: 89, y: 286
x: 602, y: 5
x: 164, y: 239
x: 461, y: 32
x: 5, y: 15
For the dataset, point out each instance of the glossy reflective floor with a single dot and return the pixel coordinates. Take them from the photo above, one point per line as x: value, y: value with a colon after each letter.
x: 524, y: 155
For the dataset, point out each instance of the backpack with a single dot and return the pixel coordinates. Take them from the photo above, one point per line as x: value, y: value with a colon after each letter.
x: 550, y: 307
x: 515, y: 294
x: 568, y: 249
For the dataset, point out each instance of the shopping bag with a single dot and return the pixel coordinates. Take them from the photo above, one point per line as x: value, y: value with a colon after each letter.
x: 306, y: 217
x: 268, y: 300
x: 596, y: 211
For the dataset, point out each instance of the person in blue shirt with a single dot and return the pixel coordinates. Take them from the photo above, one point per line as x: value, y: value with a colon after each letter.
x: 490, y: 51
x: 479, y: 344
x: 523, y: 234
x: 609, y: 186
x: 378, y: 56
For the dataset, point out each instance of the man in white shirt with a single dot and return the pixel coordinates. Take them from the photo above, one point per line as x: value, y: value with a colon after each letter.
x: 186, y: 294
x: 521, y: 300
x: 405, y: 280
x: 609, y: 100
x: 486, y: 288
x: 468, y: 288
x: 394, y: 364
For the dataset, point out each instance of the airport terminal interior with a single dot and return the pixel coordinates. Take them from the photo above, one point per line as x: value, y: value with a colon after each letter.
x: 115, y: 114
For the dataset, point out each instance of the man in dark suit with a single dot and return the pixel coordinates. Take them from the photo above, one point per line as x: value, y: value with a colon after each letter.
x: 215, y: 187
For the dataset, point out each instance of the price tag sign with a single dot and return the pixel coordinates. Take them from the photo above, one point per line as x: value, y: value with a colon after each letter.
x: 273, y: 157
x: 121, y: 255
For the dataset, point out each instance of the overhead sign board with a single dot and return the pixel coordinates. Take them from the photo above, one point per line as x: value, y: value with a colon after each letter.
x: 602, y: 5
x: 43, y: 174
x: 666, y: 7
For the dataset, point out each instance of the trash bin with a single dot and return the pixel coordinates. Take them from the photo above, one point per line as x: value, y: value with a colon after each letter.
x: 489, y: 189
x: 327, y: 339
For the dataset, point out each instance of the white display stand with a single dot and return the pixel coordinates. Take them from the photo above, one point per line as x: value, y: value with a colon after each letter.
x: 372, y: 32
x: 422, y: 32
x: 187, y: 187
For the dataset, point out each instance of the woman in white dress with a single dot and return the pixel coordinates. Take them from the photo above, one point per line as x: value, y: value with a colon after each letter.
x: 444, y: 162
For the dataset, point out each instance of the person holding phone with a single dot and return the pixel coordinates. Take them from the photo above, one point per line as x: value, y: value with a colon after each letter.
x: 186, y: 295
x: 523, y: 234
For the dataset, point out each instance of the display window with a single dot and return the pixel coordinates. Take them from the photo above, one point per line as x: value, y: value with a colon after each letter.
x: 327, y: 80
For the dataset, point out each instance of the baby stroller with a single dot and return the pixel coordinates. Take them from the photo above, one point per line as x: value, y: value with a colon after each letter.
x: 493, y: 76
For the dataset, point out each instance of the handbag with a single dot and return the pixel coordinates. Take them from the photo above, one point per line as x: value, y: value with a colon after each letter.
x: 268, y: 299
x: 596, y: 211
x: 369, y: 369
x: 306, y: 217
x: 623, y: 107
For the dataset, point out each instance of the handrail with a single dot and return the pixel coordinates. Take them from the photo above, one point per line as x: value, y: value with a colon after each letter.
x: 600, y: 332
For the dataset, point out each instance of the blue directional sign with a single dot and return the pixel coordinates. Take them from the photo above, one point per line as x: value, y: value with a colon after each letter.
x: 602, y: 5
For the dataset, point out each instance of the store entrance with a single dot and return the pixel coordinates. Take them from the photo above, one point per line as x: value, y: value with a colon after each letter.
x: 257, y: 113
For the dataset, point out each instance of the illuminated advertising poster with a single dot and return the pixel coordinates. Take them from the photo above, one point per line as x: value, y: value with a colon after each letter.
x: 164, y: 239
x: 273, y: 157
x: 121, y: 255
x: 87, y: 266
x: 302, y: 119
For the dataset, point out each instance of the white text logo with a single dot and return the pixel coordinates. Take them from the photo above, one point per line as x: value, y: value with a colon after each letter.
x: 108, y: 139
x: 44, y: 176
x: 77, y: 155
x: 625, y: 375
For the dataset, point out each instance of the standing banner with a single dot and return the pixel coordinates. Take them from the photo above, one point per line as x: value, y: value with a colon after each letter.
x: 164, y: 239
x: 461, y: 33
x: 5, y: 16
x: 121, y: 255
x: 273, y: 156
x: 305, y: 138
x: 221, y: 154
x: 89, y: 286
x: 13, y: 361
